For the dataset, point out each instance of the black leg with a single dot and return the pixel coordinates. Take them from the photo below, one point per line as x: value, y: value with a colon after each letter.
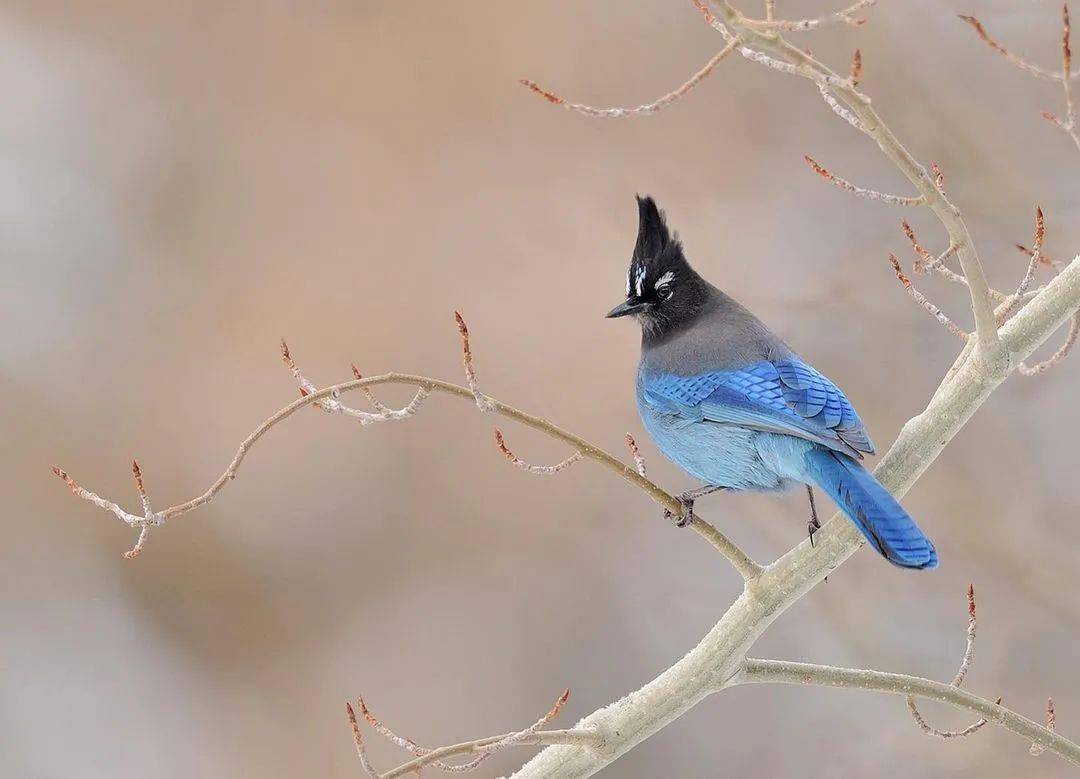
x: 813, y: 526
x: 687, y: 500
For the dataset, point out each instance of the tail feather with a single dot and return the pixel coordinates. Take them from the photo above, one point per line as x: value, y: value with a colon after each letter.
x: 872, y: 508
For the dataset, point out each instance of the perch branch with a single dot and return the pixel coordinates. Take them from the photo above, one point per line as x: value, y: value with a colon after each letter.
x: 311, y: 396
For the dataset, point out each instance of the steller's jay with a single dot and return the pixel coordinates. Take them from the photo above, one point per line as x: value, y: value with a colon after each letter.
x: 735, y: 407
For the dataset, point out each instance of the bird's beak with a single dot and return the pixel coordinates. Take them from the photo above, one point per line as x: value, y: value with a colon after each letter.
x: 625, y: 308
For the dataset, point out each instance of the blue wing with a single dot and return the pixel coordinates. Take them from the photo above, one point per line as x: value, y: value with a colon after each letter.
x: 785, y: 396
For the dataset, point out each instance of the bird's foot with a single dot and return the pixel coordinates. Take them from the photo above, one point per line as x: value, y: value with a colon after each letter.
x: 686, y: 515
x: 813, y: 525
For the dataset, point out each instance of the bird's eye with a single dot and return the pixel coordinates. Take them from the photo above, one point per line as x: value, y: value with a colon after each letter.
x: 663, y: 291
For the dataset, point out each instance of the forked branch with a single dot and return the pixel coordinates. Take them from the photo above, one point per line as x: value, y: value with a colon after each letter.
x: 329, y: 400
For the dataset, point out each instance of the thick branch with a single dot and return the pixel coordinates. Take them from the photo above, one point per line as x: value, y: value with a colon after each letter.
x: 710, y: 665
x: 779, y: 672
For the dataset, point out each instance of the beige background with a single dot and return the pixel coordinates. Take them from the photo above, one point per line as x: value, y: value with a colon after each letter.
x: 182, y: 184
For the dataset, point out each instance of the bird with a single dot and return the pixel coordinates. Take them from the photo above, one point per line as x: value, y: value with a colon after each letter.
x: 735, y: 407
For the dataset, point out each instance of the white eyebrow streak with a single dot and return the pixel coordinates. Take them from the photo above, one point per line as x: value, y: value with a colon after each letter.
x: 663, y: 280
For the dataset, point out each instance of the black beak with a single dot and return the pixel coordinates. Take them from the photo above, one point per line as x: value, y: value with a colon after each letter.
x: 625, y: 308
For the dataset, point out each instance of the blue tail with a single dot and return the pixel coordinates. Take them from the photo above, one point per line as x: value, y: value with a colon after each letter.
x: 874, y: 511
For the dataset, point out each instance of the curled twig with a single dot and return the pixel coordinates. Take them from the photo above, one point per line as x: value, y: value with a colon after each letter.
x: 332, y: 403
x: 641, y: 110
x: 540, y: 470
x: 1059, y: 355
x: 958, y: 680
x: 425, y: 756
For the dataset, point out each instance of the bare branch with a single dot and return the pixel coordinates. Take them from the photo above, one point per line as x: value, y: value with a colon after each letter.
x: 1013, y: 301
x: 779, y: 672
x: 869, y: 194
x: 846, y: 16
x: 644, y: 109
x: 1023, y: 64
x: 965, y: 664
x: 799, y: 62
x: 540, y: 470
x: 143, y: 523
x: 358, y: 739
x: 484, y: 748
x: 923, y: 301
x: 1056, y: 357
x: 1043, y: 258
x: 311, y: 396
x: 333, y: 405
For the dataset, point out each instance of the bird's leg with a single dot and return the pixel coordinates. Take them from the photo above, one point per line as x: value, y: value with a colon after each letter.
x: 687, y: 500
x: 813, y: 526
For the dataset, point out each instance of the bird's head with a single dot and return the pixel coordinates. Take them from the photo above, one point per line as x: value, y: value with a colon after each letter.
x: 662, y: 291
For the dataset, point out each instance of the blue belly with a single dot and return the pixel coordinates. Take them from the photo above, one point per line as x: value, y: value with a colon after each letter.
x: 725, y: 455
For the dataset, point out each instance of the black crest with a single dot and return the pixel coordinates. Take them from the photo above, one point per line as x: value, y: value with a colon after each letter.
x: 653, y: 236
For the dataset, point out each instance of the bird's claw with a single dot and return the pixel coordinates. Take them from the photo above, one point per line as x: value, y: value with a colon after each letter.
x: 685, y: 516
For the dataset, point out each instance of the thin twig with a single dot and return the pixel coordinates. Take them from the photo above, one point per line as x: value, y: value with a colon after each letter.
x: 483, y: 402
x: 800, y: 63
x: 846, y: 16
x: 1013, y: 301
x: 756, y: 671
x: 333, y: 404
x: 923, y: 301
x: 432, y: 757
x: 358, y: 739
x: 742, y: 562
x: 641, y: 110
x: 540, y: 470
x: 869, y: 194
x: 1059, y: 355
x: 958, y: 680
x: 1019, y: 62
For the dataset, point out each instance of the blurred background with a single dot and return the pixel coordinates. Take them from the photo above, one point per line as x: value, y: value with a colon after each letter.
x: 185, y: 183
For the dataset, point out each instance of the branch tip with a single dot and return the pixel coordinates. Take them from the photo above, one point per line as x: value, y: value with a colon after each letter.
x: 549, y: 96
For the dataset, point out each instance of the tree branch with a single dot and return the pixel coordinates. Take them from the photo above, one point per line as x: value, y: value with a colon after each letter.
x: 327, y: 399
x: 871, y: 123
x: 780, y: 672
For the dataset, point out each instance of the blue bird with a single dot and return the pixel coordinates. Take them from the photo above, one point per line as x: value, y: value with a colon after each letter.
x: 736, y: 408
